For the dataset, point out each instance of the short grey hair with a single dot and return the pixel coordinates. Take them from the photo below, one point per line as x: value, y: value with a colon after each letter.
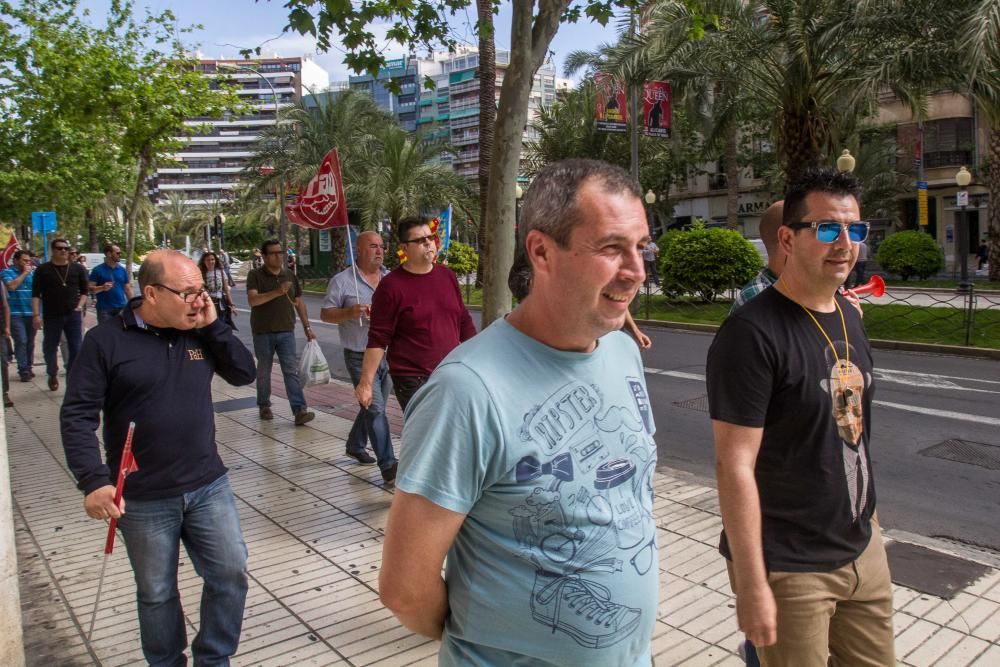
x: 550, y: 206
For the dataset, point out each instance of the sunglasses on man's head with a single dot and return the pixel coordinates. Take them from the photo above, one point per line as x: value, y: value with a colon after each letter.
x: 828, y: 231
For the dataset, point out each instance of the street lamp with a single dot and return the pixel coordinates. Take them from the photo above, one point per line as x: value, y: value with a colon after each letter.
x: 962, y: 179
x: 845, y: 163
x: 283, y: 223
x: 650, y: 199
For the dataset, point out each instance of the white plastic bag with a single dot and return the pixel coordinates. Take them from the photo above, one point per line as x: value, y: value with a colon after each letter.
x: 313, y: 368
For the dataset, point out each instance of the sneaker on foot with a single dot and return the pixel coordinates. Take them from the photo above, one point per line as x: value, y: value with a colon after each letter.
x: 389, y: 474
x: 304, y: 416
x: 362, y: 457
x: 265, y: 413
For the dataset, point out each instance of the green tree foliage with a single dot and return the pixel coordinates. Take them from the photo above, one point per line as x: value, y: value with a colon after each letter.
x: 811, y: 63
x: 91, y: 110
x: 706, y: 262
x: 462, y: 258
x: 424, y: 24
x: 911, y: 253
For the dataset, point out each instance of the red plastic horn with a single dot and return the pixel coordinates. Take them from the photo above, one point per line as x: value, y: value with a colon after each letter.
x: 875, y: 287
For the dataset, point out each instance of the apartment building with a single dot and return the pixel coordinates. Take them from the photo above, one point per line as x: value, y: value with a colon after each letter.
x: 450, y: 112
x: 208, y: 168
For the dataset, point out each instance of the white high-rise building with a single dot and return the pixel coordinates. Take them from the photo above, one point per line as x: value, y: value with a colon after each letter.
x: 208, y: 168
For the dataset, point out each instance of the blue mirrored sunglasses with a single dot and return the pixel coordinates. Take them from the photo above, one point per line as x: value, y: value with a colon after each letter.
x: 828, y: 231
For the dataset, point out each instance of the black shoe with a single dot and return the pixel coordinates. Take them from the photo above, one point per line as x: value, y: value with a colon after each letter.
x: 7, y: 403
x: 362, y: 457
x: 389, y: 474
x: 25, y: 378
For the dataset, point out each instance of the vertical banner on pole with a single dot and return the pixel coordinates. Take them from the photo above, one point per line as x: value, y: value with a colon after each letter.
x: 922, y: 215
x: 611, y: 104
x: 656, y: 109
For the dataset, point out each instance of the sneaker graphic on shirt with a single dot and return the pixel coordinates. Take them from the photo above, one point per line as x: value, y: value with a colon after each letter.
x: 582, y: 609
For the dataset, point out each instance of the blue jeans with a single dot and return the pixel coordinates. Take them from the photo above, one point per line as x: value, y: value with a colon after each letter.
x: 371, y: 422
x: 53, y: 329
x: 264, y: 347
x: 206, y: 521
x: 23, y: 332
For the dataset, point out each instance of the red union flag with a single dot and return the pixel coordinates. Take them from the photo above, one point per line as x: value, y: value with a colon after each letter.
x: 7, y: 256
x: 322, y: 204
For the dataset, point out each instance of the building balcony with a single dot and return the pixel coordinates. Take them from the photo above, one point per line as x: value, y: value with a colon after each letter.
x: 196, y: 186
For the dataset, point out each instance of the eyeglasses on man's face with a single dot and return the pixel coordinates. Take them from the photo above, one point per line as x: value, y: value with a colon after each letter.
x: 430, y: 238
x: 186, y: 297
x: 828, y: 231
x: 60, y: 248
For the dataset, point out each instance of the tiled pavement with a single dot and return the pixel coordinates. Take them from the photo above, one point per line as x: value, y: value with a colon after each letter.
x: 313, y: 522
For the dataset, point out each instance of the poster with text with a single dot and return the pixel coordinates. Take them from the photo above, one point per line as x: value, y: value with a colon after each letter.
x: 611, y: 108
x: 656, y: 109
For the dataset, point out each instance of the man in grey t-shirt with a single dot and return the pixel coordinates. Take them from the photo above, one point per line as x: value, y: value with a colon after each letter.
x: 348, y: 305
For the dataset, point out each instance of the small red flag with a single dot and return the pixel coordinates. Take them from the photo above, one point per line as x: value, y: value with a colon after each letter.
x: 7, y: 256
x: 322, y: 205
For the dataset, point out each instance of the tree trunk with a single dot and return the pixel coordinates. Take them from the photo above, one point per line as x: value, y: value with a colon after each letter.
x: 796, y: 146
x: 993, y: 219
x: 732, y: 179
x: 530, y: 37
x: 145, y: 165
x: 92, y: 242
x: 282, y: 220
x: 487, y: 124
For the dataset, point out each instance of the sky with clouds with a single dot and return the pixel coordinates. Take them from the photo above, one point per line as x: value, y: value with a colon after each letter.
x: 228, y: 25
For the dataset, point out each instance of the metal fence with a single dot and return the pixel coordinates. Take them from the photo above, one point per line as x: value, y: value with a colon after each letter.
x: 913, y: 314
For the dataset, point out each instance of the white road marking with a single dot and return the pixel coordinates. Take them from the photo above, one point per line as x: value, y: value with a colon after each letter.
x: 947, y: 414
x: 929, y: 380
x: 930, y: 412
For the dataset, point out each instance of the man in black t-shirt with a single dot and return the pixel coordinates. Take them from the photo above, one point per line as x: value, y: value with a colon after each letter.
x: 790, y: 388
x: 58, y: 295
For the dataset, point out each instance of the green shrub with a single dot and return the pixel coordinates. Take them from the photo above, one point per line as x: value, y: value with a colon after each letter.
x: 462, y: 258
x: 706, y: 262
x: 911, y: 253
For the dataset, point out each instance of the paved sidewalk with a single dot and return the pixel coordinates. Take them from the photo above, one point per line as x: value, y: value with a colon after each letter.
x: 313, y: 522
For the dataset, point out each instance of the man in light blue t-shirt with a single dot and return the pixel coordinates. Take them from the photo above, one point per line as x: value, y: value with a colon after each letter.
x: 109, y: 281
x: 528, y: 456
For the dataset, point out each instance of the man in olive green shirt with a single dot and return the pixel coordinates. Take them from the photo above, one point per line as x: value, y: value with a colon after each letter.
x: 275, y: 295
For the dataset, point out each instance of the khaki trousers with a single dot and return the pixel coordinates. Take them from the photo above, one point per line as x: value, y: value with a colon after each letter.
x: 841, y: 618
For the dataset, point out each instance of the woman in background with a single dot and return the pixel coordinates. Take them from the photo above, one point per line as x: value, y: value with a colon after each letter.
x: 217, y: 287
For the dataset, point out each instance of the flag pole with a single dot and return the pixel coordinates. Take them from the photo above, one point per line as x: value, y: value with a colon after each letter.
x: 354, y: 266
x: 126, y: 466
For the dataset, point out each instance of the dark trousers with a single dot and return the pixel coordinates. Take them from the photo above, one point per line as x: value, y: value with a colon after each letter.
x: 4, y: 360
x: 405, y: 386
x: 53, y: 328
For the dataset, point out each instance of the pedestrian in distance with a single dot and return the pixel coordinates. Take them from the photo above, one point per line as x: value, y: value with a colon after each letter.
x: 983, y: 255
x: 528, y: 456
x: 417, y: 315
x: 18, y: 279
x: 348, y: 305
x: 109, y: 281
x: 155, y: 367
x: 275, y: 297
x: 217, y: 285
x: 5, y: 348
x: 790, y: 383
x: 58, y: 294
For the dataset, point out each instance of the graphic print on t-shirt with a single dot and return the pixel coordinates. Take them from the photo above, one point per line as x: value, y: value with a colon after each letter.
x: 846, y: 385
x: 588, y: 511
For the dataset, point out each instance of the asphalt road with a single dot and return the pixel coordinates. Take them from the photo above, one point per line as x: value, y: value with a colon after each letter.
x: 922, y: 400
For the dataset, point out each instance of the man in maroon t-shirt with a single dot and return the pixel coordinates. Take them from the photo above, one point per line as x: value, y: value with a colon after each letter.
x: 417, y: 313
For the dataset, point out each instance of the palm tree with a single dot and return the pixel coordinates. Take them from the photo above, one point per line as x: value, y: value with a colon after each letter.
x: 403, y: 177
x: 979, y: 59
x: 173, y: 217
x: 809, y: 62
